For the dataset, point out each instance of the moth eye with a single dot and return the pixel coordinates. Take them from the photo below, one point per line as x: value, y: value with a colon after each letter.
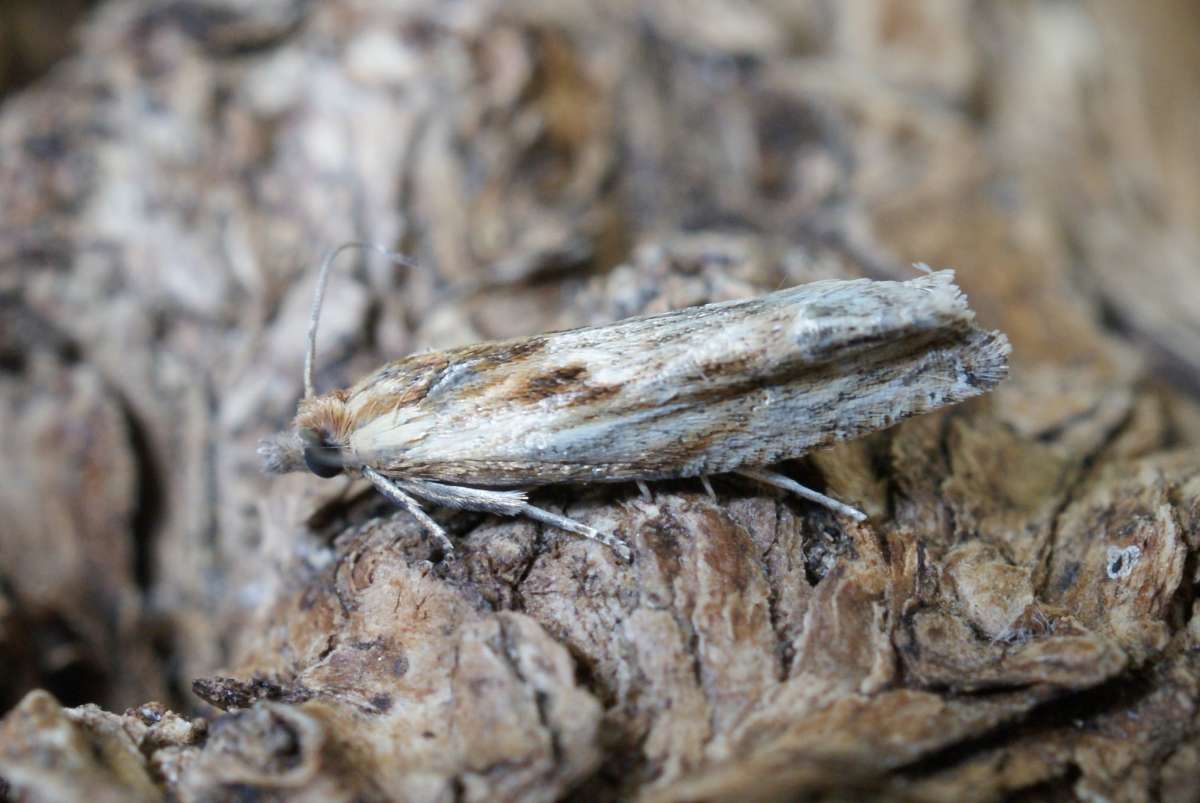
x: 321, y: 457
x: 319, y: 463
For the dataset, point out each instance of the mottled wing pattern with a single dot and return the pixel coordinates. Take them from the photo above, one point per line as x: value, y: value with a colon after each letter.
x: 699, y: 391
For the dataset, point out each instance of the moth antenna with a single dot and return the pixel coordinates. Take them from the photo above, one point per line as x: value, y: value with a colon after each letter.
x: 331, y: 255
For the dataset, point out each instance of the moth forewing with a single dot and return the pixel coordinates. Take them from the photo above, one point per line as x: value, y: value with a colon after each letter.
x: 699, y: 391
x: 704, y: 390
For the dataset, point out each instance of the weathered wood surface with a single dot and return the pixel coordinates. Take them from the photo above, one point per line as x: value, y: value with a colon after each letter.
x: 1018, y: 615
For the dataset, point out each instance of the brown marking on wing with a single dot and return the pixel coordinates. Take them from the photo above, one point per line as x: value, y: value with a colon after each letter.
x: 568, y: 382
x: 410, y: 379
x: 493, y: 355
x: 424, y: 363
x: 384, y: 403
x: 415, y: 369
x: 556, y: 382
x: 492, y: 364
x: 398, y: 384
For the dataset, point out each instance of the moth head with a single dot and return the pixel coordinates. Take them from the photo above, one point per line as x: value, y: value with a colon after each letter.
x: 315, y: 442
x: 317, y: 439
x: 300, y: 449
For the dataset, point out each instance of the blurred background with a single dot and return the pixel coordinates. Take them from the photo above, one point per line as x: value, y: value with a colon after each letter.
x: 171, y: 171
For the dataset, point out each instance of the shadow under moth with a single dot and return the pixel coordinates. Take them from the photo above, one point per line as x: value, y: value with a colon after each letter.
x: 728, y: 387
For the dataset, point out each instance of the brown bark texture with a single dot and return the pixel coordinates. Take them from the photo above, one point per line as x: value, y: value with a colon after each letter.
x: 1017, y: 617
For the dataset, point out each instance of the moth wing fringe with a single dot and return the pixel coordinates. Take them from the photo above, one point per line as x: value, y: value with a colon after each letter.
x: 981, y: 360
x: 989, y: 358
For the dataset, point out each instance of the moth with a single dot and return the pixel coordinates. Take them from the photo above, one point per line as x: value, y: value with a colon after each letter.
x: 730, y: 387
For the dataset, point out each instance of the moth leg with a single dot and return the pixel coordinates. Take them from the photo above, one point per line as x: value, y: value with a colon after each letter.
x: 570, y: 525
x: 462, y: 497
x: 645, y: 490
x: 505, y: 503
x: 398, y: 497
x: 708, y: 486
x: 789, y: 484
